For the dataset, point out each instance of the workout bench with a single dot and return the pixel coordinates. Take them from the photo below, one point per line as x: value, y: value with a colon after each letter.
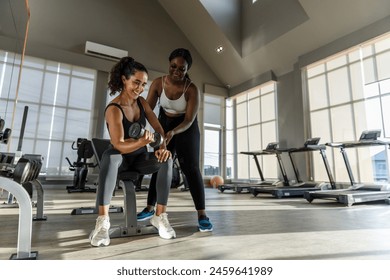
x: 127, y: 181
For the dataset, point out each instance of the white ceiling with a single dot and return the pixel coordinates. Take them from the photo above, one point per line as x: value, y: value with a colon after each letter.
x: 272, y: 34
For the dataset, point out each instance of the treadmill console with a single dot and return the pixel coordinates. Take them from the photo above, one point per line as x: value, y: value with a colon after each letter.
x: 312, y: 141
x: 370, y: 135
x: 272, y: 146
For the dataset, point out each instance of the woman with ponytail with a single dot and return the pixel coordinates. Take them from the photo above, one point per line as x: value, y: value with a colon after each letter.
x: 128, y: 78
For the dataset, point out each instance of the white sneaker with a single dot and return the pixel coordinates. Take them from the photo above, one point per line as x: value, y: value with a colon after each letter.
x: 162, y: 224
x: 100, y: 235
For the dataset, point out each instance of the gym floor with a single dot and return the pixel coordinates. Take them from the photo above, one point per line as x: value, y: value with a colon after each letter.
x: 245, y: 228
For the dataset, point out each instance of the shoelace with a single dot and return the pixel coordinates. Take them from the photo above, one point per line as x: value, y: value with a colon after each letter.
x: 164, y: 220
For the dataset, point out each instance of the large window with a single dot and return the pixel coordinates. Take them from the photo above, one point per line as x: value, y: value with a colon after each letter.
x: 213, y: 123
x: 255, y: 125
x: 59, y: 98
x: 347, y: 94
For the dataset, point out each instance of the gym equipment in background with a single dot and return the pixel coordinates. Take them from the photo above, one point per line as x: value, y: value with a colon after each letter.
x: 356, y: 192
x: 4, y: 135
x: 216, y: 181
x: 271, y: 149
x: 300, y: 187
x: 81, y: 165
x: 13, y: 186
x: 29, y: 182
x: 98, y: 149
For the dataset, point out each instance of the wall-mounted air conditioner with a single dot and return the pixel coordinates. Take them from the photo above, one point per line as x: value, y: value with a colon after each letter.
x: 104, y: 52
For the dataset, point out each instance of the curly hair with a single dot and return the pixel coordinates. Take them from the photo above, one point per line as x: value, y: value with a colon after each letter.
x: 127, y: 66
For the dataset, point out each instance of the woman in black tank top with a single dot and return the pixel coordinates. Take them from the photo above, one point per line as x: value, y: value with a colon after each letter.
x: 129, y: 77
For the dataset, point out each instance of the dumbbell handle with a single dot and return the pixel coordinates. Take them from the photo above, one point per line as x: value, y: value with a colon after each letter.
x: 136, y: 131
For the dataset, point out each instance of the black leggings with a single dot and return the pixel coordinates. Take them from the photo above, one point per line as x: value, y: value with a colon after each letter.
x: 139, y: 161
x: 186, y: 145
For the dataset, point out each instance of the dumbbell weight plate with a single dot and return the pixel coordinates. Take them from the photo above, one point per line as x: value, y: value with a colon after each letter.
x: 135, y: 130
x: 157, y: 140
x: 22, y: 171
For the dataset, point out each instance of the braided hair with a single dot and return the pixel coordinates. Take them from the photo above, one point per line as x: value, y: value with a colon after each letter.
x: 127, y: 66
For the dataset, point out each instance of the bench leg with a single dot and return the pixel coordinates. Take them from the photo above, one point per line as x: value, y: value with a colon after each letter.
x: 40, y: 201
x: 131, y: 226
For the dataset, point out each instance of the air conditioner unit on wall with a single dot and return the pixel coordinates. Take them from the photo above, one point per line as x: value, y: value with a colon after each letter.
x: 105, y: 52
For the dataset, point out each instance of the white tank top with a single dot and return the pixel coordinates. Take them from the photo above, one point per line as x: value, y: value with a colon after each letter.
x: 176, y: 106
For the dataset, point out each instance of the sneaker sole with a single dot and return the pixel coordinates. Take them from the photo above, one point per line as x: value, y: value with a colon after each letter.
x: 101, y: 244
x: 166, y: 236
x: 205, y: 230
x: 98, y: 244
x: 144, y: 219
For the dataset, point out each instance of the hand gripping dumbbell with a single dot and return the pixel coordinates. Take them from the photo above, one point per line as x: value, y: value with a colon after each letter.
x: 136, y: 131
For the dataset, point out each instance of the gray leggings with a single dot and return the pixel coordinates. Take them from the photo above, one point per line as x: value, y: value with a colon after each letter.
x: 140, y: 161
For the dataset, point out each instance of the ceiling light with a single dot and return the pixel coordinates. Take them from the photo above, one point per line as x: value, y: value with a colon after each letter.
x: 219, y: 49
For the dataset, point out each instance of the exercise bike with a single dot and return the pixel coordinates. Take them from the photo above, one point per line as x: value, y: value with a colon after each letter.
x: 80, y: 166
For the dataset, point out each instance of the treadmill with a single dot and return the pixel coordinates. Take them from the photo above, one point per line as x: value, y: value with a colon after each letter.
x: 271, y: 149
x: 297, y: 189
x: 356, y: 192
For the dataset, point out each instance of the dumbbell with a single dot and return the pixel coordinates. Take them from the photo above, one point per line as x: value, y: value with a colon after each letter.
x: 136, y: 131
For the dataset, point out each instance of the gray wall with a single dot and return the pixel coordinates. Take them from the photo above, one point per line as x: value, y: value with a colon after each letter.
x: 59, y: 29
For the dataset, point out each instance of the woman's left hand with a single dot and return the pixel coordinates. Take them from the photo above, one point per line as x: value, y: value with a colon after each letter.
x: 162, y: 155
x: 169, y: 135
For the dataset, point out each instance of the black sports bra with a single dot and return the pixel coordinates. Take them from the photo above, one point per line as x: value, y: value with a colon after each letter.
x: 125, y: 122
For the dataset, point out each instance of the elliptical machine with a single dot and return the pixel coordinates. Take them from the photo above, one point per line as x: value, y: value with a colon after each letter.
x: 80, y: 166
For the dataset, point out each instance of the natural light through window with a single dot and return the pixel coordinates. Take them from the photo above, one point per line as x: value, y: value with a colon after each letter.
x: 347, y: 94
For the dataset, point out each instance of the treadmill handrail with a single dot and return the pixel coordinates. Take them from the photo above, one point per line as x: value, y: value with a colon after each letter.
x: 357, y: 144
x: 268, y: 152
x: 309, y: 148
x: 259, y: 153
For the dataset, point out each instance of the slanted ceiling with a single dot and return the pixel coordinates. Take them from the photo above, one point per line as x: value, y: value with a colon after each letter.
x: 268, y: 35
x: 268, y: 38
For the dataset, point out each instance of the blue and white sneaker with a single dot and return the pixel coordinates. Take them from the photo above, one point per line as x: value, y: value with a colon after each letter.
x: 204, y: 224
x: 145, y: 215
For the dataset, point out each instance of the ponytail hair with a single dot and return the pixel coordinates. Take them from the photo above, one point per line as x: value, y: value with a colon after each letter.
x: 127, y: 66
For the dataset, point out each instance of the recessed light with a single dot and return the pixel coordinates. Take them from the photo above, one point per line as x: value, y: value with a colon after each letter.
x: 219, y: 49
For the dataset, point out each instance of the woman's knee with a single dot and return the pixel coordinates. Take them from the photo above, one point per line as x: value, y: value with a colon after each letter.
x: 111, y: 156
x: 167, y: 165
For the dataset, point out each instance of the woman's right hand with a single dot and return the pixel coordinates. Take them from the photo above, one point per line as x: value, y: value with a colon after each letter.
x: 147, y: 138
x: 162, y: 155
